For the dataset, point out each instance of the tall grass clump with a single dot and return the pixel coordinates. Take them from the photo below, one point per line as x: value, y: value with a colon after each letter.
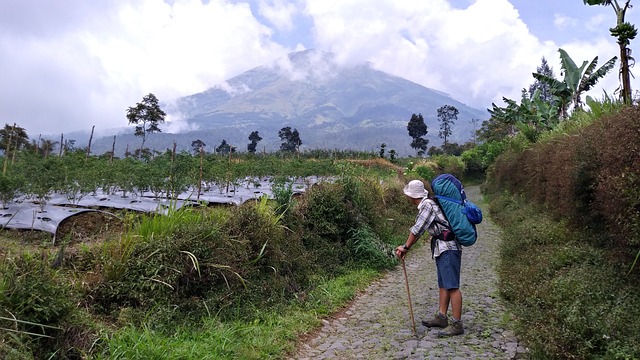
x: 37, y: 309
x: 589, y: 176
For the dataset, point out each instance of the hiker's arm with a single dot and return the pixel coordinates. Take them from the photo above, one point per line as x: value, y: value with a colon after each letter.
x: 402, y: 250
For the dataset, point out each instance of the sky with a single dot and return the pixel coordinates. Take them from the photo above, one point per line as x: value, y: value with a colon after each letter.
x: 69, y: 65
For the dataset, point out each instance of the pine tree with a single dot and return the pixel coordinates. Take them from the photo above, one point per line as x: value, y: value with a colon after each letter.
x: 545, y: 89
x: 417, y: 130
x: 254, y: 137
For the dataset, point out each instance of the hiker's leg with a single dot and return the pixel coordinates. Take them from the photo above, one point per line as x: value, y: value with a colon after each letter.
x: 456, y: 303
x: 448, y: 264
x: 444, y: 301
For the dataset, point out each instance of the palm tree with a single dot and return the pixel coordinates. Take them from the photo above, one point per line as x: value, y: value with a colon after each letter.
x: 576, y: 81
x: 624, y: 32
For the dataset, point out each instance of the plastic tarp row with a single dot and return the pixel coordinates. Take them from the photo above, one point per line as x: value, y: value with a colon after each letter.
x: 28, y: 214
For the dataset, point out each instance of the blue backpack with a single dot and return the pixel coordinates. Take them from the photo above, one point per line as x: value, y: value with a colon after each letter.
x: 462, y: 214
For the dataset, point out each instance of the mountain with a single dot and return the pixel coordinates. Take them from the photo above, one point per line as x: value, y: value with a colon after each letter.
x: 332, y: 107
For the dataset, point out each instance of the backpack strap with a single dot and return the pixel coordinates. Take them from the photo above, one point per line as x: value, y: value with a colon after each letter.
x: 448, y: 227
x: 436, y: 220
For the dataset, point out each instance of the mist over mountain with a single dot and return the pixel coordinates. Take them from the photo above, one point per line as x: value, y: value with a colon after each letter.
x: 332, y: 106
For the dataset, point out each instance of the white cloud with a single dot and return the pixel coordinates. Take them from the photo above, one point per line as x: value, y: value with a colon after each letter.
x: 187, y: 47
x: 90, y: 75
x: 477, y: 54
x: 563, y: 22
x: 595, y: 23
x: 279, y: 12
x: 64, y: 68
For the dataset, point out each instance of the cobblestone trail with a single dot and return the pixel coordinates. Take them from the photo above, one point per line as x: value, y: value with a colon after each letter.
x: 377, y: 325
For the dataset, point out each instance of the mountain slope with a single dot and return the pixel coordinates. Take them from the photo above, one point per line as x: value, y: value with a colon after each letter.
x: 332, y: 106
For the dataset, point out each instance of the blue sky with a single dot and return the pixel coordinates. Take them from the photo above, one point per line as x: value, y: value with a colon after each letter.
x: 69, y: 65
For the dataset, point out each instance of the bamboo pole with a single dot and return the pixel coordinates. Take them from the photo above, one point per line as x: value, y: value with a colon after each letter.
x: 200, y: 181
x: 15, y: 148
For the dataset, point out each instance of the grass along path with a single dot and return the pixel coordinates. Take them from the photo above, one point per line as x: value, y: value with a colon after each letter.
x: 377, y: 324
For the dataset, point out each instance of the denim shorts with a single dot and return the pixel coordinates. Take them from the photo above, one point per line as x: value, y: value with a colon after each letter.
x: 448, y: 265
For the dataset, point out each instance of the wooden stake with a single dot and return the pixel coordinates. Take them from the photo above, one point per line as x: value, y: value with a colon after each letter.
x: 61, y: 144
x: 200, y: 180
x: 113, y: 149
x: 90, y: 139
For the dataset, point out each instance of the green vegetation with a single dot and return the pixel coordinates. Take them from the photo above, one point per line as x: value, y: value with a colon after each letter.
x: 568, y: 205
x: 572, y: 299
x: 206, y: 282
x: 246, y: 282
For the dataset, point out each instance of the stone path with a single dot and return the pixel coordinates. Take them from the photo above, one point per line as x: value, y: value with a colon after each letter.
x: 377, y: 325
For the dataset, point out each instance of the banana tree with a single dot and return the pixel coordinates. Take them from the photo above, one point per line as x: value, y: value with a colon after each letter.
x: 624, y: 32
x: 507, y: 115
x: 546, y: 112
x: 532, y: 115
x: 576, y: 81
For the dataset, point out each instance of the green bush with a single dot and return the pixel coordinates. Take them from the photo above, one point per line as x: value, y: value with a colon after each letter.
x: 366, y: 248
x: 41, y: 301
x: 424, y: 172
x: 450, y: 165
x: 569, y: 296
x: 33, y: 291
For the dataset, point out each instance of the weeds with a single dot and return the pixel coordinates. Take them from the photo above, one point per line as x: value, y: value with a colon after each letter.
x: 224, y: 283
x: 571, y: 298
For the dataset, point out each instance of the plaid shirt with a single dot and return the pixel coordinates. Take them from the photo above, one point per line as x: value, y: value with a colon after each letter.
x: 431, y: 219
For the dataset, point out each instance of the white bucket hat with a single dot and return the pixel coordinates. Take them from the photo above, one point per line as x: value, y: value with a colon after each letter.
x: 415, y: 189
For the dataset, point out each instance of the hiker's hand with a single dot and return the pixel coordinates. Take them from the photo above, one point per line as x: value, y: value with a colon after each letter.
x: 401, y: 252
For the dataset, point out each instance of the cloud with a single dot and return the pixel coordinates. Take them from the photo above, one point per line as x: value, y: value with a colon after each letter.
x: 563, y: 22
x: 280, y: 13
x: 476, y: 54
x: 74, y: 64
x: 70, y: 73
x: 595, y: 23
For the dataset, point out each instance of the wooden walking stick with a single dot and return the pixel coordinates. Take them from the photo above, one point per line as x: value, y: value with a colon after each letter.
x: 406, y: 281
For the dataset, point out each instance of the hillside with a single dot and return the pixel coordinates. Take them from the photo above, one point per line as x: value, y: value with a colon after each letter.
x: 332, y: 106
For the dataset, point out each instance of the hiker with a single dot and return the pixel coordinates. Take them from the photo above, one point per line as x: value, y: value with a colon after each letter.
x: 445, y: 250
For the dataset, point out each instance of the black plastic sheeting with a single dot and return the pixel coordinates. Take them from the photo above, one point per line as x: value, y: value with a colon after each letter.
x: 28, y: 214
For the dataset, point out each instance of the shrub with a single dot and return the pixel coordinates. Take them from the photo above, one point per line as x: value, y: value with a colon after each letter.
x: 569, y: 297
x: 366, y: 248
x: 450, y: 165
x: 425, y: 172
x: 32, y: 291
x: 42, y: 303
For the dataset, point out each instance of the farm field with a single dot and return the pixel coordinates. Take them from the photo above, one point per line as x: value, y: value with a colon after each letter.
x: 180, y: 253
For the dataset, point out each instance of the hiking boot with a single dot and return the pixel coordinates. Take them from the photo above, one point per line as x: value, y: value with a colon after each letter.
x: 439, y: 320
x: 454, y: 328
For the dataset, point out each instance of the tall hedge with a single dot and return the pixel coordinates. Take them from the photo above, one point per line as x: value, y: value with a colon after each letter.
x: 590, y: 177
